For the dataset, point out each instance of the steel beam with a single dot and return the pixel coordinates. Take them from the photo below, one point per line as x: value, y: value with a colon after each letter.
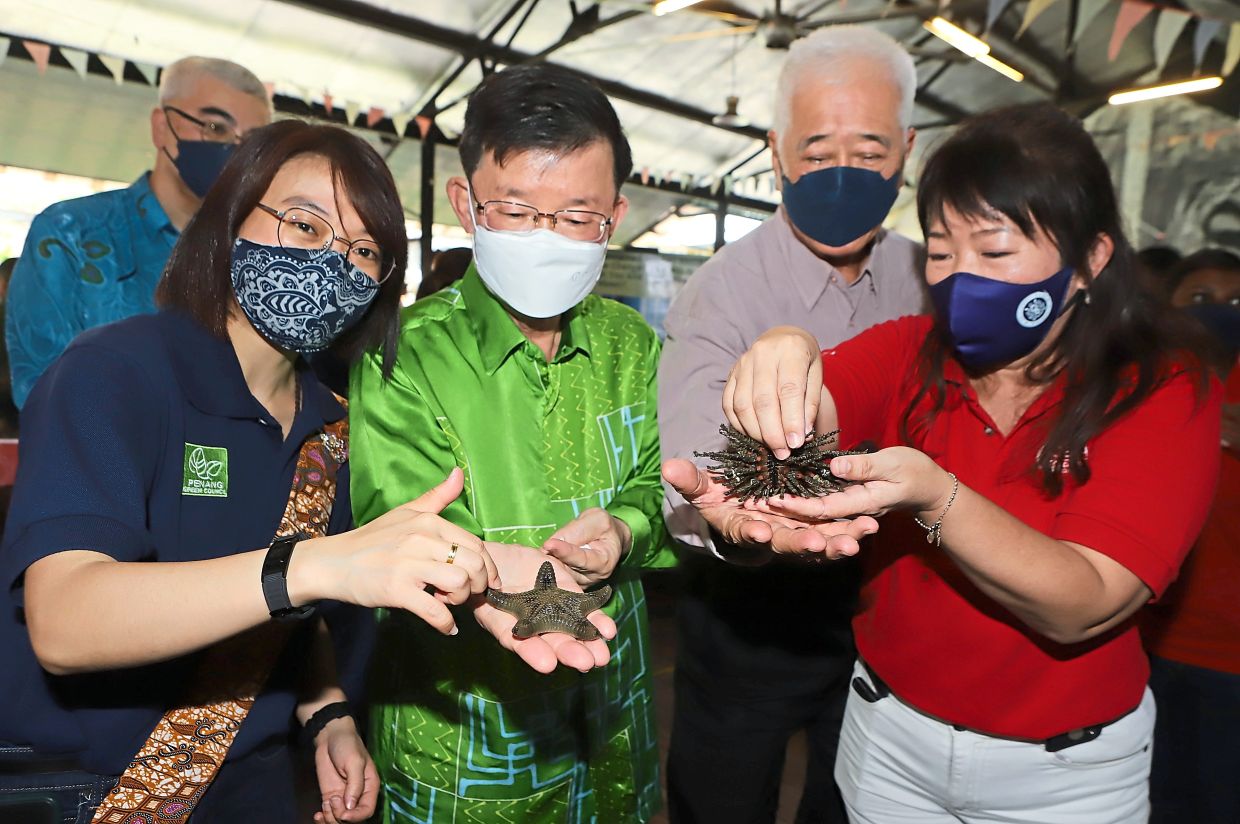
x: 466, y: 43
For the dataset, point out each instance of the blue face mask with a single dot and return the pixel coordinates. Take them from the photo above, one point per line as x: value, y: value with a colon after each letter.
x: 199, y: 163
x: 836, y: 206
x: 993, y: 322
x: 299, y: 303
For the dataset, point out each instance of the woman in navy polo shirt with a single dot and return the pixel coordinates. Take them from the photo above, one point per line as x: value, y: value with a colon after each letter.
x: 1051, y: 452
x: 172, y: 440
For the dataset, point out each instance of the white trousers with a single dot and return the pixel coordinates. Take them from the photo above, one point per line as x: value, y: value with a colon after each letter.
x: 898, y: 766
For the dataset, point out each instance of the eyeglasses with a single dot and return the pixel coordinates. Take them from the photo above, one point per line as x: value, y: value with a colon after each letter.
x: 212, y: 129
x: 578, y: 224
x: 305, y: 232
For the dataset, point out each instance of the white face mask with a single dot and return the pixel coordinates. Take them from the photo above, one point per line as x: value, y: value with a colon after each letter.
x: 540, y: 274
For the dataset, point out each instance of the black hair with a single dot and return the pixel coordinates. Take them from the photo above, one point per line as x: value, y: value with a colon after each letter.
x: 1038, y: 167
x: 1203, y: 259
x: 197, y: 278
x: 540, y: 107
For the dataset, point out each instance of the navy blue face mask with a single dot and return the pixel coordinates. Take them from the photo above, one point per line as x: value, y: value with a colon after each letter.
x: 836, y: 206
x: 199, y: 163
x: 993, y: 322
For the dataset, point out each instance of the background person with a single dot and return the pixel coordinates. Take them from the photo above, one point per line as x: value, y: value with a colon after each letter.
x: 1022, y: 536
x: 1193, y: 632
x: 447, y: 267
x: 746, y: 680
x: 96, y: 259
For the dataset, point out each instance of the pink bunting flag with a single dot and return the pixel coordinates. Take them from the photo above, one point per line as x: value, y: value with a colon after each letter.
x: 39, y: 52
x: 424, y: 125
x: 1130, y: 14
x: 373, y: 116
x: 645, y: 175
x: 271, y: 90
x: 327, y: 102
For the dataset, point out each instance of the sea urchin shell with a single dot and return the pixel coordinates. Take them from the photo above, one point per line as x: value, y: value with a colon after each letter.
x: 749, y: 470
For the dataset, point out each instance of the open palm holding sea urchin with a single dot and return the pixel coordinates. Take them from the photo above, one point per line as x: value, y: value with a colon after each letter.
x: 749, y: 470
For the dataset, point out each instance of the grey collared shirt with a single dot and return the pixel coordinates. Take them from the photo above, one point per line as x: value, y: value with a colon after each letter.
x: 768, y: 278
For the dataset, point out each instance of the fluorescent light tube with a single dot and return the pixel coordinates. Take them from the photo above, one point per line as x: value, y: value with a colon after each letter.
x: 1201, y: 84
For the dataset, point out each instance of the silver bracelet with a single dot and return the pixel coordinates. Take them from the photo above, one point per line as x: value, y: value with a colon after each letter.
x: 934, y: 534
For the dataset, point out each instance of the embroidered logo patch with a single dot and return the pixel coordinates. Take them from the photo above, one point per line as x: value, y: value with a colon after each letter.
x: 206, y: 471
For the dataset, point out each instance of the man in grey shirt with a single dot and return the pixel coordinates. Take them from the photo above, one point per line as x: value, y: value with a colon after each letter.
x: 764, y: 651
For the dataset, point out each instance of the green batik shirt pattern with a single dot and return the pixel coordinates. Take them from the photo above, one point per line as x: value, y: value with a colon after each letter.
x: 463, y: 730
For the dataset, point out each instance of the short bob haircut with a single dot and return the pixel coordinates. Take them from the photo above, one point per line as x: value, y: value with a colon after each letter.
x: 198, y: 278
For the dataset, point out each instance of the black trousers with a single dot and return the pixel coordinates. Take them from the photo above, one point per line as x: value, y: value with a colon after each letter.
x: 761, y: 654
x: 256, y: 788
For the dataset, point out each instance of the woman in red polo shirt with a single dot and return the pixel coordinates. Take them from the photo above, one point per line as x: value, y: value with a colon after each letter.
x: 1051, y: 453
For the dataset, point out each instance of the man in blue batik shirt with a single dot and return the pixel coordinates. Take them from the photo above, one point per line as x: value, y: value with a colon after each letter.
x: 96, y: 259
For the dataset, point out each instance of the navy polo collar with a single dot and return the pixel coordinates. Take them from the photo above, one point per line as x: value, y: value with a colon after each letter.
x: 210, y: 375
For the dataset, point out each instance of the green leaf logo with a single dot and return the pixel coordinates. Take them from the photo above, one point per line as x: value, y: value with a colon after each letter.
x: 206, y: 471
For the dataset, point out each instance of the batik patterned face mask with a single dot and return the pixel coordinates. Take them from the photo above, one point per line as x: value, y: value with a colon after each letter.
x: 299, y: 301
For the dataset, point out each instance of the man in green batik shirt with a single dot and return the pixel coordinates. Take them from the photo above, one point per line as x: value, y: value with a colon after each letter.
x: 545, y: 396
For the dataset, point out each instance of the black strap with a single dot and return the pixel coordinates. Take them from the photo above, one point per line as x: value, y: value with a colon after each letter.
x: 321, y: 719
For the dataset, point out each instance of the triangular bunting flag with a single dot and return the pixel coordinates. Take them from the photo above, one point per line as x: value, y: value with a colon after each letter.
x: 400, y: 122
x: 4, y: 49
x: 305, y: 95
x: 271, y: 90
x: 77, y: 59
x: 373, y: 116
x: 39, y: 52
x: 1035, y: 8
x: 327, y: 102
x: 645, y: 175
x: 1130, y: 14
x: 1206, y: 29
x: 351, y: 110
x: 1086, y: 13
x: 1233, y: 50
x: 116, y: 65
x: 1167, y: 30
x: 994, y: 8
x: 424, y: 125
x: 149, y: 71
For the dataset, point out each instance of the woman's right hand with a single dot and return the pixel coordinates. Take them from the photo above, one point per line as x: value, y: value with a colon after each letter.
x: 774, y: 390
x: 399, y: 560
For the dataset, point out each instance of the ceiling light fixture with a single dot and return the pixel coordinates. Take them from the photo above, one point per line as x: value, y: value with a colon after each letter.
x: 956, y: 36
x: 668, y: 6
x: 1201, y: 84
x: 977, y: 49
x: 1001, y: 67
x: 730, y: 119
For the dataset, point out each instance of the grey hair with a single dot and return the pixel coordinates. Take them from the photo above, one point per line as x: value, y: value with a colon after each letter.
x: 177, y: 78
x: 829, y: 55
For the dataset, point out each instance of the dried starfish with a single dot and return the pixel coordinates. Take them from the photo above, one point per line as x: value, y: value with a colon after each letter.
x: 547, y: 608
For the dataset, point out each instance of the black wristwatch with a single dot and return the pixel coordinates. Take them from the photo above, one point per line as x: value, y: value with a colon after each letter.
x: 275, y: 579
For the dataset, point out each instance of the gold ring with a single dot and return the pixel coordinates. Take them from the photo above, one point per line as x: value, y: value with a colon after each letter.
x: 452, y: 553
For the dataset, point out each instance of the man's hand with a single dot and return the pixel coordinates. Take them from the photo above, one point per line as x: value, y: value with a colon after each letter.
x: 518, y: 568
x: 758, y: 529
x: 590, y: 545
x: 348, y: 780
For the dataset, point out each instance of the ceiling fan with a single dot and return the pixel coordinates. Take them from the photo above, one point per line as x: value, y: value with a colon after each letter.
x: 779, y: 29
